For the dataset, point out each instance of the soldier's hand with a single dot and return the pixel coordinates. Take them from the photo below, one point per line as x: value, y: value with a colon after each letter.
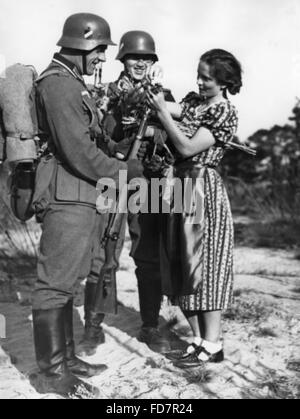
x: 135, y: 169
x: 122, y: 148
x: 150, y: 131
x: 143, y: 150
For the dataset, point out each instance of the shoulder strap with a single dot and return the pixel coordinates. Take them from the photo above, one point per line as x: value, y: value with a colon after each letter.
x: 48, y: 73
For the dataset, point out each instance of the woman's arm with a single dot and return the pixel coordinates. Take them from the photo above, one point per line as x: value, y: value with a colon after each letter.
x: 175, y: 109
x: 202, y: 140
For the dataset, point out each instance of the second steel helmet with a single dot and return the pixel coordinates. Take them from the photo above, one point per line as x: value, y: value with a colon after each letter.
x: 85, y: 32
x: 136, y: 42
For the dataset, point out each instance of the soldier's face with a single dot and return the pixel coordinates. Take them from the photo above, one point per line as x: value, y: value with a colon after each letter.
x: 208, y: 85
x: 138, y: 66
x: 95, y: 57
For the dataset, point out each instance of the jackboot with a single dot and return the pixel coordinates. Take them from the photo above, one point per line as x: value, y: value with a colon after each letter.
x: 150, y: 295
x: 50, y: 346
x: 76, y: 365
x: 93, y: 334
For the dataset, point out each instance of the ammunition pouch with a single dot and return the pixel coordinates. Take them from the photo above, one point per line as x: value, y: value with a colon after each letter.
x: 70, y: 189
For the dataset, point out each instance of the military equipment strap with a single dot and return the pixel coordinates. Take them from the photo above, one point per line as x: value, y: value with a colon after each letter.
x: 48, y: 73
x: 20, y: 136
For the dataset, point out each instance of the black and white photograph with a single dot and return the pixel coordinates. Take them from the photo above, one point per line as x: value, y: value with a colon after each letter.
x: 149, y: 202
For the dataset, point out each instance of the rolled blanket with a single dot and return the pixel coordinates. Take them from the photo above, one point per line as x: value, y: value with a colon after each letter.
x: 18, y: 119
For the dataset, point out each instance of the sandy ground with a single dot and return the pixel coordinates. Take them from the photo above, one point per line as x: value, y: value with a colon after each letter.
x: 261, y: 338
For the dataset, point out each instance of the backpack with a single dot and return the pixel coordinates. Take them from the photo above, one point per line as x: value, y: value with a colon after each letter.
x: 20, y: 144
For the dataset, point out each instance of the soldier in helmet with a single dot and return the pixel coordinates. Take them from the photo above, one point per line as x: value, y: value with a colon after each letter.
x: 138, y: 54
x: 65, y: 200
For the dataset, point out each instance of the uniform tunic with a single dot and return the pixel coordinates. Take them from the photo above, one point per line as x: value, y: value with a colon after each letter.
x: 144, y: 228
x: 197, y: 259
x: 65, y: 197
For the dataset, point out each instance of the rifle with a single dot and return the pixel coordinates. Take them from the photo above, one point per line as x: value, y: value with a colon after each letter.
x: 195, y: 99
x: 232, y: 146
x: 105, y: 300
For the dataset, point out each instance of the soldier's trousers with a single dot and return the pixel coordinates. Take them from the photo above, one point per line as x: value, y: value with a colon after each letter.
x: 145, y: 235
x: 68, y: 235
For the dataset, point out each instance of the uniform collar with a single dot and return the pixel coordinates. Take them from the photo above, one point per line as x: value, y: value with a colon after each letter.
x: 70, y: 67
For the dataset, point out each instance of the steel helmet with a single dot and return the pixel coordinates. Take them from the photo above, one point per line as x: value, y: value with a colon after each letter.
x: 136, y: 42
x: 85, y: 32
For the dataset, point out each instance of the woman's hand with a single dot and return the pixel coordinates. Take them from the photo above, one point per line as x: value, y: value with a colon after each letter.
x: 157, y: 101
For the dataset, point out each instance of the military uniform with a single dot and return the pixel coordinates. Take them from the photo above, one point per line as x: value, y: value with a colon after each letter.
x: 68, y: 116
x: 65, y: 201
x: 144, y: 231
x: 144, y: 228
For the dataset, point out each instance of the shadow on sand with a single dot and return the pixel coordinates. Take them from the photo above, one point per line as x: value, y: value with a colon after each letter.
x: 17, y: 311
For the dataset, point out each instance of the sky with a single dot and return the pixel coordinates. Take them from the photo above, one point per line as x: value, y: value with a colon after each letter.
x: 263, y: 34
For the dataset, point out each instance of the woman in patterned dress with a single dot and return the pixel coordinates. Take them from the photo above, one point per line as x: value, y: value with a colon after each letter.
x: 198, y: 256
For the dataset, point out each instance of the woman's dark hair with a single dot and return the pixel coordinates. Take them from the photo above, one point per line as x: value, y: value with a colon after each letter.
x: 225, y: 68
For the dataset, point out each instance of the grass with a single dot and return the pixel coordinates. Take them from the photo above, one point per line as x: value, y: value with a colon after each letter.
x: 280, y: 234
x: 18, y: 241
x: 237, y: 293
x: 275, y: 215
x: 296, y: 290
x: 248, y: 311
x: 294, y: 366
x: 263, y: 200
x: 199, y: 376
x: 266, y: 332
x: 18, y: 249
x: 273, y: 386
x: 297, y: 255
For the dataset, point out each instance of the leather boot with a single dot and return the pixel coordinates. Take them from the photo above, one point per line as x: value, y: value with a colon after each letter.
x: 153, y: 338
x: 76, y: 365
x: 50, y: 347
x: 150, y: 295
x: 93, y: 334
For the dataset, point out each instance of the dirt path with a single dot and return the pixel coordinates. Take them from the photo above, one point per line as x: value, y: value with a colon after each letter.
x: 261, y: 335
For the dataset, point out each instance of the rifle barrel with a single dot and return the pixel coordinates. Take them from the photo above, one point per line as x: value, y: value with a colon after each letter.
x: 241, y: 147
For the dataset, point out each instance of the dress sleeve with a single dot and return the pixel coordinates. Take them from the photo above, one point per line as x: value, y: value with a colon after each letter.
x: 222, y: 121
x: 189, y: 103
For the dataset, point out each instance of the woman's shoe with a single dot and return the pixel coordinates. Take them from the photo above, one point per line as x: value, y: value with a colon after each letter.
x: 178, y: 355
x: 193, y: 361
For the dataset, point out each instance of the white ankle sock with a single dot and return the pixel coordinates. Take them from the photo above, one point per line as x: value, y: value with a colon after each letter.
x: 197, y: 341
x: 211, y: 347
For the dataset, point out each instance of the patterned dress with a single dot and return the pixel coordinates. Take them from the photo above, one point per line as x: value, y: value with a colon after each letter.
x: 197, y: 258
